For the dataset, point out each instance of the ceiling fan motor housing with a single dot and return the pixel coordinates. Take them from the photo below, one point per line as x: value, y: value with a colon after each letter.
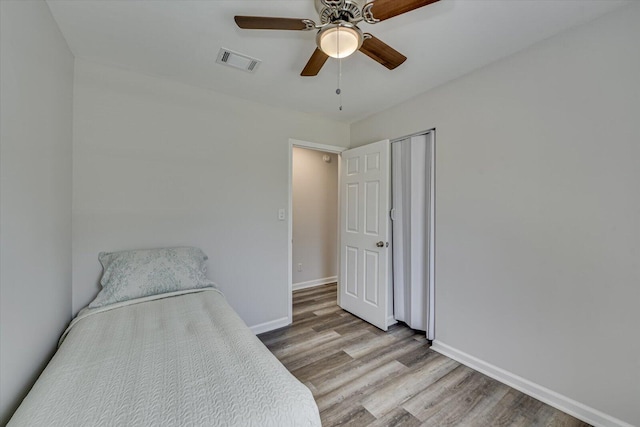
x: 339, y: 10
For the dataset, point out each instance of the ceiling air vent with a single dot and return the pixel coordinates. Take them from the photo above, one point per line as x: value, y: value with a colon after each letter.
x: 237, y: 60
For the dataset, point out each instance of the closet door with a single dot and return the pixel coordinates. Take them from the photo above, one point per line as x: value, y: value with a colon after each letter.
x: 412, y: 229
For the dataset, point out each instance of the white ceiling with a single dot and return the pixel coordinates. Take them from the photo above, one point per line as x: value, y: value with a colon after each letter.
x: 180, y: 39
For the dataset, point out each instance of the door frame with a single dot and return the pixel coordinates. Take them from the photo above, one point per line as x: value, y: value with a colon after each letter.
x: 334, y: 149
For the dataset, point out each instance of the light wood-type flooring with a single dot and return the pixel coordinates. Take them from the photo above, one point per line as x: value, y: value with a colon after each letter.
x: 362, y: 376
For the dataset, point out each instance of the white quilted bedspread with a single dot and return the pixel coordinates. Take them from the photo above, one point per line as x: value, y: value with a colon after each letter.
x: 185, y: 360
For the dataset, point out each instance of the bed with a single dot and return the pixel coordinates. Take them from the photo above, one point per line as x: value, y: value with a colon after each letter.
x: 177, y: 358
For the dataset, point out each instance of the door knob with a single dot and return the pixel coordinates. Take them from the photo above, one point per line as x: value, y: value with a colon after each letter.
x: 381, y: 244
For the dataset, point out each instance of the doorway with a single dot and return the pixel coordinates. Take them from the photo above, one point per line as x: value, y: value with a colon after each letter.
x: 313, y: 262
x: 315, y: 218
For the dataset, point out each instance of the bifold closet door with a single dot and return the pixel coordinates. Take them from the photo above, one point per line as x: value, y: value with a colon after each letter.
x: 411, y: 175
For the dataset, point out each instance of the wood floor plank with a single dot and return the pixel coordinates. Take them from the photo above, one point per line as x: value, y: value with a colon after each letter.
x: 308, y: 371
x: 324, y: 289
x: 311, y: 308
x: 296, y: 336
x: 312, y: 319
x: 300, y: 343
x: 433, y: 399
x: 402, y: 389
x: 480, y: 401
x: 548, y: 416
x: 361, y: 386
x: 397, y: 418
x: 362, y: 376
x: 271, y: 338
x: 416, y: 356
x: 315, y: 300
x: 339, y: 322
x: 328, y: 310
x: 303, y: 316
x: 361, y: 348
x: 513, y: 409
x: 303, y: 358
x: 355, y: 416
x: 355, y: 325
x: 329, y: 381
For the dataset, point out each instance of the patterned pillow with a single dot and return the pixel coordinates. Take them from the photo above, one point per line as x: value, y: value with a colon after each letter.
x: 140, y: 273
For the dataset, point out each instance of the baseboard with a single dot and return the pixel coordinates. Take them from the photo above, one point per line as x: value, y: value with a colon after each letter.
x: 270, y: 326
x: 314, y: 283
x: 550, y: 397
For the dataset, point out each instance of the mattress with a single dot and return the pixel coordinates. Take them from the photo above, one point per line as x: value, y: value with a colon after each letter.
x: 181, y: 359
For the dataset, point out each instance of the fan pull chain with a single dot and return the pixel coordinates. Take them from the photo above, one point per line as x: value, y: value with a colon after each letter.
x: 338, y: 90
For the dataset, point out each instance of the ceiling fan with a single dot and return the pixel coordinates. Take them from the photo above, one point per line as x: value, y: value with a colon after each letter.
x: 338, y: 33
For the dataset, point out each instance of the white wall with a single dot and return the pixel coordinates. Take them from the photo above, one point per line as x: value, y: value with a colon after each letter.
x: 538, y: 211
x: 158, y: 163
x: 36, y: 82
x: 315, y: 217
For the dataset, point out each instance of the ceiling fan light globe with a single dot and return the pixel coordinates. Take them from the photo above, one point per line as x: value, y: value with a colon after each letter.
x: 339, y: 41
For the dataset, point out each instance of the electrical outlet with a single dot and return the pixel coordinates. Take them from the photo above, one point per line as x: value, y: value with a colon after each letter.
x: 299, y: 266
x: 281, y: 214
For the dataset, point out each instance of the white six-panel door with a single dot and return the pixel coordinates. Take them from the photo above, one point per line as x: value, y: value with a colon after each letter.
x: 364, y: 232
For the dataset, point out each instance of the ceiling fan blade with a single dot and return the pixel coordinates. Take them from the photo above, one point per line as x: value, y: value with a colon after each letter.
x: 385, y: 9
x: 379, y: 51
x: 315, y: 63
x: 267, y: 23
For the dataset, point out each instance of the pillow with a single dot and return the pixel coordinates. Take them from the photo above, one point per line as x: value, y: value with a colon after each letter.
x: 144, y: 272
